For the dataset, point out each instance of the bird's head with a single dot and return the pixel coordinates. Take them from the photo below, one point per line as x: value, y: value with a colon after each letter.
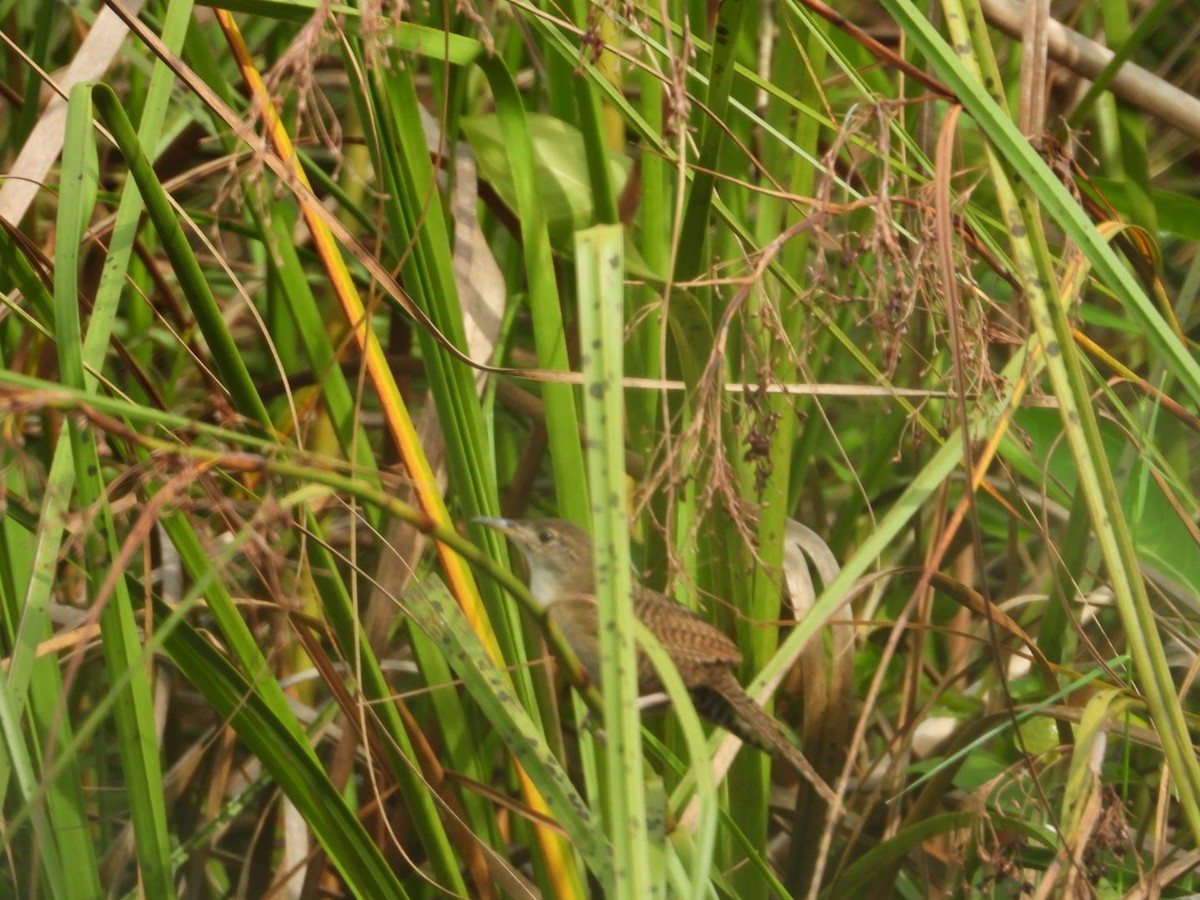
x: 559, y: 555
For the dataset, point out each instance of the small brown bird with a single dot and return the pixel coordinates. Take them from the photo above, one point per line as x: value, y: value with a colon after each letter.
x: 562, y: 581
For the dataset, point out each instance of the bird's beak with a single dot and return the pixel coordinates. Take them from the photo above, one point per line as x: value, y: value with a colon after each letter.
x: 505, y: 526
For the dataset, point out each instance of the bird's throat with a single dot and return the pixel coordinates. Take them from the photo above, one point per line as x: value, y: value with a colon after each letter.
x: 544, y: 586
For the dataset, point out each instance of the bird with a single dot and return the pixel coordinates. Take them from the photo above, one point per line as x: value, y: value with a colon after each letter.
x: 562, y: 582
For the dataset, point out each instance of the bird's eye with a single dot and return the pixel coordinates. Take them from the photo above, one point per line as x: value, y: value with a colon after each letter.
x: 546, y: 536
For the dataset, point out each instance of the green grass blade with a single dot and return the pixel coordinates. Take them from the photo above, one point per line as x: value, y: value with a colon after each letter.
x: 440, y: 617
x: 226, y: 355
x: 562, y: 421
x: 290, y: 760
x: 124, y: 656
x: 599, y: 256
x: 1056, y: 201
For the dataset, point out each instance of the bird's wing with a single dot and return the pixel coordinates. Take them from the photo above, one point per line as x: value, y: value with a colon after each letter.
x: 689, y: 639
x: 695, y: 646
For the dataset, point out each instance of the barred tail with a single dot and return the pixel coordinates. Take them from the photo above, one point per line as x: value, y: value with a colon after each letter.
x: 730, y: 707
